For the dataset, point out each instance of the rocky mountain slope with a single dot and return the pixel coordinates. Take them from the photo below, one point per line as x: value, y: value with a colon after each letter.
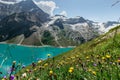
x: 23, y: 6
x: 25, y: 23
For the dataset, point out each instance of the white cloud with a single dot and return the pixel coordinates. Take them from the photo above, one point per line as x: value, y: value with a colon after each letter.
x: 64, y: 13
x: 47, y: 6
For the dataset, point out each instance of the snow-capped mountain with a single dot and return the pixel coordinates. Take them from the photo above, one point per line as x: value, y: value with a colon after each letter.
x: 105, y: 27
x: 25, y: 23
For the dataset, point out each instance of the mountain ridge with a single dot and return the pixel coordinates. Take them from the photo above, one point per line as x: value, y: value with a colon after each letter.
x: 25, y: 23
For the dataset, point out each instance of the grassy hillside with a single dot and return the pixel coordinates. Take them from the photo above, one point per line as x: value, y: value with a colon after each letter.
x: 98, y: 59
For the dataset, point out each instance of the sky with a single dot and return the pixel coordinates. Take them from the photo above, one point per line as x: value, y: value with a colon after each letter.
x: 96, y: 10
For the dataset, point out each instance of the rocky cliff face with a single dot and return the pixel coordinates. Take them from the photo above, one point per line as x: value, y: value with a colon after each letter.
x: 27, y: 28
x: 23, y: 6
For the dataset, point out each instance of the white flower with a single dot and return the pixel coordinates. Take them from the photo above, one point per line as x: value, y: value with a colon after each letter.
x: 24, y: 75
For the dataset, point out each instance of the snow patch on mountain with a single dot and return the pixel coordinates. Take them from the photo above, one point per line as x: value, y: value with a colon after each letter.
x: 10, y: 2
x: 78, y: 25
x: 110, y: 27
x: 103, y: 28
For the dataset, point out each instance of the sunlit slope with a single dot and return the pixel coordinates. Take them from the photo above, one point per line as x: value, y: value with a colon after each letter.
x: 98, y: 59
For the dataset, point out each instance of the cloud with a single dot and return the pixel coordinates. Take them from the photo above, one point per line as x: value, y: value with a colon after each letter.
x: 47, y: 6
x: 64, y: 13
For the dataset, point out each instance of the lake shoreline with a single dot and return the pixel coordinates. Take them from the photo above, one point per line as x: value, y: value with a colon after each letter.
x: 36, y: 46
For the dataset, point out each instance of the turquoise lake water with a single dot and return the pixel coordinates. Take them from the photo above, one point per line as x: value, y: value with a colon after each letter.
x: 25, y: 55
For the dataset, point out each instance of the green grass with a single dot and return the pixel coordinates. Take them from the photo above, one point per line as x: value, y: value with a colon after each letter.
x: 98, y: 59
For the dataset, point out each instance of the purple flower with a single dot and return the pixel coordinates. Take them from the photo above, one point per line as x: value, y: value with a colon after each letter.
x: 4, y: 77
x: 94, y: 64
x: 12, y: 69
x: 110, y: 62
x: 12, y: 77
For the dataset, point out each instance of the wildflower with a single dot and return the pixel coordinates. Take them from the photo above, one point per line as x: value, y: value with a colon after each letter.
x: 118, y: 60
x: 113, y: 63
x: 35, y: 69
x: 24, y: 75
x: 92, y: 61
x: 72, y: 57
x: 12, y: 77
x: 103, y: 58
x: 97, y: 56
x: 71, y: 69
x: 87, y: 57
x: 77, y: 56
x: 93, y: 72
x: 94, y: 64
x: 46, y: 64
x: 108, y: 56
x: 27, y: 70
x: 110, y: 62
x: 51, y: 72
x: 89, y: 70
x: 37, y: 79
x: 12, y: 69
x: 14, y: 62
x: 39, y: 61
x: 4, y: 77
x: 48, y: 55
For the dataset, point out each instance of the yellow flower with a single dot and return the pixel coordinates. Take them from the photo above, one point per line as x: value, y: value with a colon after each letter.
x: 48, y: 55
x: 97, y: 56
x: 118, y: 60
x: 70, y: 71
x: 103, y: 58
x: 3, y: 79
x: 93, y: 72
x: 27, y: 70
x: 51, y: 72
x: 46, y: 64
x: 68, y: 58
x: 87, y: 57
x: 73, y: 57
x: 39, y: 61
x: 71, y: 68
x: 89, y: 70
x: 35, y: 69
x: 77, y: 56
x: 108, y: 56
